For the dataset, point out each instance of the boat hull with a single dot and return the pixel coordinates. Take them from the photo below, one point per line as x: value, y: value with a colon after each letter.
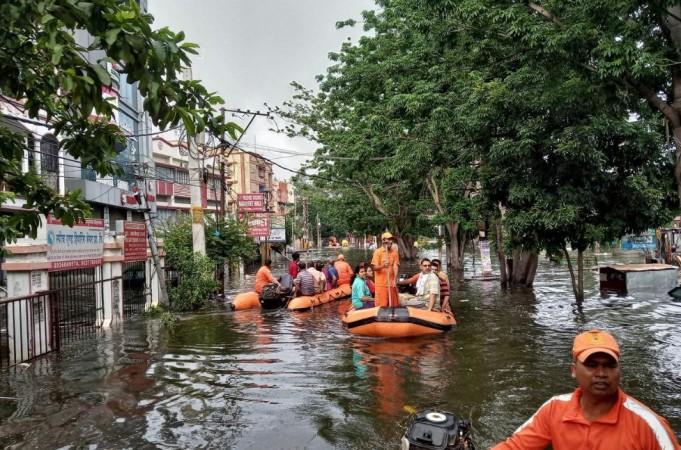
x: 311, y: 301
x: 246, y: 300
x: 397, y: 322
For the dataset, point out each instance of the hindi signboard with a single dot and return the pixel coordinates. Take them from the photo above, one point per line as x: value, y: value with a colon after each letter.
x: 77, y: 247
x: 258, y: 224
x: 135, y: 245
x: 253, y: 202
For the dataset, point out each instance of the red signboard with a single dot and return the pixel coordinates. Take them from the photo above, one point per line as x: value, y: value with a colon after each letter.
x: 258, y: 224
x: 254, y: 202
x: 135, y: 246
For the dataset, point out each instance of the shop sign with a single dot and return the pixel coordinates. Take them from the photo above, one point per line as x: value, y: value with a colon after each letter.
x: 277, y: 235
x: 254, y: 202
x: 258, y: 224
x: 77, y: 247
x: 135, y: 246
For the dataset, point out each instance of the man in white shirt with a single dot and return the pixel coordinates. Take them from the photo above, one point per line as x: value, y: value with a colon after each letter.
x: 427, y: 288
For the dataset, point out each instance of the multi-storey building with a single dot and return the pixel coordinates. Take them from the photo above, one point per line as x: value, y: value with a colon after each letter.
x: 244, y: 173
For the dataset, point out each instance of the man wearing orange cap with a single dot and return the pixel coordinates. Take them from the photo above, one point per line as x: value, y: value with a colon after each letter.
x: 386, y: 262
x: 598, y: 415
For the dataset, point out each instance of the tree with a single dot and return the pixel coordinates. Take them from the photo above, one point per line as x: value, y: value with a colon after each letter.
x: 51, y: 76
x: 632, y: 46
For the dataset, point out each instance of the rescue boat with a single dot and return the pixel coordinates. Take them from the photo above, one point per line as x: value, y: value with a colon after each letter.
x: 246, y: 300
x: 397, y: 322
x: 273, y: 296
x: 310, y: 301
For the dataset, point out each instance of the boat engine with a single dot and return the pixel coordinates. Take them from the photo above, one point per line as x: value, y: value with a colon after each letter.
x: 274, y: 296
x: 435, y: 430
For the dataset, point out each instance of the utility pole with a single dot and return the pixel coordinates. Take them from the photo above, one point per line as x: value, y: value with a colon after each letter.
x: 319, y: 233
x: 151, y: 237
x: 306, y: 230
x: 196, y: 180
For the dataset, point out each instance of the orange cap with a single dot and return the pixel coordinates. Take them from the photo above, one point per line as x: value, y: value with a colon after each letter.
x: 595, y: 341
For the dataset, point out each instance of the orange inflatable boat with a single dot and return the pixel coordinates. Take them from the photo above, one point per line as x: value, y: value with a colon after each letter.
x: 397, y: 322
x: 310, y: 301
x: 246, y: 300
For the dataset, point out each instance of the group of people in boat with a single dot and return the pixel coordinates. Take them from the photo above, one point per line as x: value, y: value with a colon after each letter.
x: 376, y: 283
x: 315, y: 277
x: 373, y: 283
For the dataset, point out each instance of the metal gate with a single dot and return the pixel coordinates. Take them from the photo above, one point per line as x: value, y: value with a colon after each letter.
x: 79, y: 296
x: 134, y: 288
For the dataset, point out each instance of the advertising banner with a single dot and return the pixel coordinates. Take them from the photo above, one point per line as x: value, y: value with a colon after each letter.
x: 135, y: 246
x: 254, y: 202
x: 77, y: 247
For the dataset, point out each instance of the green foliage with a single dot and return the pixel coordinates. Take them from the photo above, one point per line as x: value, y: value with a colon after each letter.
x: 196, y: 272
x: 459, y: 110
x: 44, y: 67
x: 228, y: 241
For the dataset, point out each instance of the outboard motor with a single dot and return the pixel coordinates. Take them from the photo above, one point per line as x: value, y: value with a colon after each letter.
x: 286, y: 284
x: 435, y: 430
x: 273, y: 296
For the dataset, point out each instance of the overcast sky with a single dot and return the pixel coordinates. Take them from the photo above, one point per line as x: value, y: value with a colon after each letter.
x: 252, y: 49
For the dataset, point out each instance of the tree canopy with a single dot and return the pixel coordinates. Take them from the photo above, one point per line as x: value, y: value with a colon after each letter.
x: 54, y: 79
x: 467, y: 112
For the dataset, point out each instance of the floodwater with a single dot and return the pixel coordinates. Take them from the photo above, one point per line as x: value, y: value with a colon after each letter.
x: 281, y: 380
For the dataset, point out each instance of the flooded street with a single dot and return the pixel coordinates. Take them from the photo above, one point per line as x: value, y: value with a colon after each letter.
x: 281, y: 380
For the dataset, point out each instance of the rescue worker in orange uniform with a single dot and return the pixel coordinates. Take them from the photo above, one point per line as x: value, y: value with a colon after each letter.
x: 386, y: 263
x: 264, y: 276
x: 344, y: 270
x: 598, y: 415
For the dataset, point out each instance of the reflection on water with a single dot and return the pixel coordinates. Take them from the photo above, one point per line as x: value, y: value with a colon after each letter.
x: 274, y: 379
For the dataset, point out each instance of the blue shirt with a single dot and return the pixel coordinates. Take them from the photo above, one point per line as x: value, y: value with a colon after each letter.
x: 359, y: 290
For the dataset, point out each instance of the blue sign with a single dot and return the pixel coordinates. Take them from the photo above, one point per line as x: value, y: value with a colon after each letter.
x: 639, y: 242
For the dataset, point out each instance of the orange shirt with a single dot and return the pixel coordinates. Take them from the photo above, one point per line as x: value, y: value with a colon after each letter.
x: 263, y: 277
x: 345, y: 272
x: 629, y: 425
x: 381, y: 273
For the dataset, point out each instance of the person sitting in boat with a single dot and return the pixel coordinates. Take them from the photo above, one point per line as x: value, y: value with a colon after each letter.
x: 264, y: 276
x: 427, y: 289
x: 319, y: 278
x: 435, y: 266
x: 344, y: 270
x: 370, y: 279
x: 361, y: 297
x: 331, y: 275
x: 304, y: 282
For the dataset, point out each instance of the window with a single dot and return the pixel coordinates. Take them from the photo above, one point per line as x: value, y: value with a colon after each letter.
x: 49, y: 149
x: 165, y: 173
x: 182, y: 176
x: 49, y: 166
x: 30, y: 150
x: 127, y: 92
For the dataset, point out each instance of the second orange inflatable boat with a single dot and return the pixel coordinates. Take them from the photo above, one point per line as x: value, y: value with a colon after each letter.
x: 397, y: 322
x: 310, y: 301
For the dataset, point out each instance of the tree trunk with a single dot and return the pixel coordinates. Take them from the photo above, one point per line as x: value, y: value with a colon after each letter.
x: 523, y: 268
x: 577, y: 279
x: 405, y: 245
x: 455, y: 247
x: 503, y: 273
